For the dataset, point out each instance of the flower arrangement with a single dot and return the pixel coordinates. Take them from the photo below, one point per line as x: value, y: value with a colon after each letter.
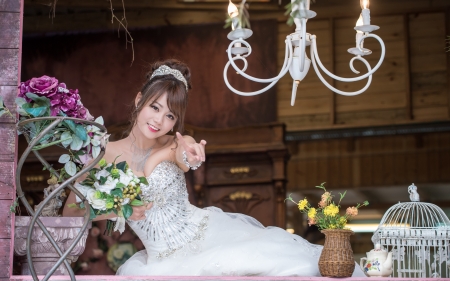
x: 46, y: 97
x: 327, y: 214
x: 111, y: 188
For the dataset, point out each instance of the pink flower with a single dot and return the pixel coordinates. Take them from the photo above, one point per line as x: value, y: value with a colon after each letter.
x: 352, y: 211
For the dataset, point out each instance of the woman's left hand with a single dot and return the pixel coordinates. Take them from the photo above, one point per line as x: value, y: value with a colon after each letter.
x: 195, y: 152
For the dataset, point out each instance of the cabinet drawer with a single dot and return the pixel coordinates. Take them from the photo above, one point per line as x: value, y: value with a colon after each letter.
x: 238, y: 174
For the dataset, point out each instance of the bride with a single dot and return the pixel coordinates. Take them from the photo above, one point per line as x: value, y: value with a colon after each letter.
x: 179, y: 238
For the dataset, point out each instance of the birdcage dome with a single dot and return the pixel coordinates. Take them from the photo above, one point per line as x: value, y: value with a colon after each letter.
x: 418, y: 234
x: 414, y: 215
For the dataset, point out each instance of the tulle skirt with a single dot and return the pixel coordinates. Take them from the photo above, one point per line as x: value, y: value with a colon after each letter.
x: 234, y: 245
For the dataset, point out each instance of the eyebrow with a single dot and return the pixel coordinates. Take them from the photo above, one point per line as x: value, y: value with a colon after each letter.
x: 158, y: 103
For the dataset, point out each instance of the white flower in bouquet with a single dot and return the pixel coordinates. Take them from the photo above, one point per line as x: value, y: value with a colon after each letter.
x: 96, y: 203
x: 106, y: 187
x: 126, y: 178
x: 102, y: 173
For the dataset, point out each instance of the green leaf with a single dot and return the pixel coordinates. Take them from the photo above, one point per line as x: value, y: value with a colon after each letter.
x: 103, y: 180
x: 99, y: 120
x: 136, y: 203
x: 92, y: 213
x: 38, y: 147
x: 36, y: 111
x: 70, y: 168
x: 76, y: 144
x: 67, y: 138
x: 117, y: 192
x: 120, y: 185
x: 20, y: 101
x: 63, y: 159
x: 41, y: 101
x: 143, y: 180
x: 70, y: 124
x: 73, y: 205
x: 121, y: 166
x: 95, y: 151
x: 80, y: 132
x: 127, y: 211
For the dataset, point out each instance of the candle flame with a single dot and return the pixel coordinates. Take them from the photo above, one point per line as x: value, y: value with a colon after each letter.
x: 232, y: 10
x: 365, y: 4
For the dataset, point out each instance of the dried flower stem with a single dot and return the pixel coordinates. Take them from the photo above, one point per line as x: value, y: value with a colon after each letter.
x: 123, y: 23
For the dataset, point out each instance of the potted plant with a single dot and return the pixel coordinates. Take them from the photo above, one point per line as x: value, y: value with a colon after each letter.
x: 336, y: 259
x: 51, y: 114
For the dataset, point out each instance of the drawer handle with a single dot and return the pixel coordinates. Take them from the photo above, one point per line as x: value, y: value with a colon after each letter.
x: 240, y: 170
x: 240, y: 195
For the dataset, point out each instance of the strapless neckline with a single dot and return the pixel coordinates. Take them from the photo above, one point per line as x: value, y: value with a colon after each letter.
x: 160, y: 164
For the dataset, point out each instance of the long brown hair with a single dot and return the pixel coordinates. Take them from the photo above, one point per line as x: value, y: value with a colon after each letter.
x: 177, y: 96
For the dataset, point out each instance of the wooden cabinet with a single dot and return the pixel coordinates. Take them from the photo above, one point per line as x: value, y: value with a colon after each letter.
x: 244, y: 172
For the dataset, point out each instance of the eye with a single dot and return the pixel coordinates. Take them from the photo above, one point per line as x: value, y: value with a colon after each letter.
x: 154, y: 107
x: 171, y: 117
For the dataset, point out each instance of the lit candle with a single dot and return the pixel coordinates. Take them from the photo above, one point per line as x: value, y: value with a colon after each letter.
x: 359, y: 33
x: 233, y: 12
x: 365, y: 12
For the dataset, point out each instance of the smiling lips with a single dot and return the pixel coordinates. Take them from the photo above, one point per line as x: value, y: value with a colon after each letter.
x: 152, y: 128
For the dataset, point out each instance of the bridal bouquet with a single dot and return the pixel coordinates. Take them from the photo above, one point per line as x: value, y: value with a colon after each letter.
x: 327, y: 214
x: 111, y: 188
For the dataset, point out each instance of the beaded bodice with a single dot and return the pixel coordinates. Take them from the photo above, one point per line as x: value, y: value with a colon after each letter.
x: 172, y: 223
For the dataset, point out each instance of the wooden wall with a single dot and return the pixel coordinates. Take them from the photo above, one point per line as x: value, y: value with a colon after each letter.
x: 10, y: 48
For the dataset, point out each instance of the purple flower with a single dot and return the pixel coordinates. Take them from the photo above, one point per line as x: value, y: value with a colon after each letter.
x: 43, y: 86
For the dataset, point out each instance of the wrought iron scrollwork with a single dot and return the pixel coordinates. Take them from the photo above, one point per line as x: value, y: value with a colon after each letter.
x: 67, y: 183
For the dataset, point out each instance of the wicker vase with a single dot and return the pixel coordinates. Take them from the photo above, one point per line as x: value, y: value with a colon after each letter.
x: 337, y: 259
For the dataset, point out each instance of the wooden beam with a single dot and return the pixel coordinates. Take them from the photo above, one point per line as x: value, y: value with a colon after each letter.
x: 406, y: 42
x: 447, y: 31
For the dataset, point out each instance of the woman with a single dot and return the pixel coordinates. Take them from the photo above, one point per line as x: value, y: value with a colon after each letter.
x: 181, y: 239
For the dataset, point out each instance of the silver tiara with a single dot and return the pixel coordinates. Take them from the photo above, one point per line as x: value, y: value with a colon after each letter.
x: 165, y: 70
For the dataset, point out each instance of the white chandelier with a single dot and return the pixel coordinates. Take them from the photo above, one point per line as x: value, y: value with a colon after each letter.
x: 296, y: 61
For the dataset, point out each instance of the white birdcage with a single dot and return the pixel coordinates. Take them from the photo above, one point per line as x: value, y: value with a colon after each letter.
x: 418, y: 234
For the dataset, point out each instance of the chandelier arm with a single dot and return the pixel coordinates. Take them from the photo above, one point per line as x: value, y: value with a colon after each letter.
x: 371, y: 70
x: 369, y: 80
x: 283, y: 71
x: 247, y: 94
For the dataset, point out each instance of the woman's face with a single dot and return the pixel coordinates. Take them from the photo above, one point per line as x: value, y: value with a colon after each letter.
x: 155, y: 119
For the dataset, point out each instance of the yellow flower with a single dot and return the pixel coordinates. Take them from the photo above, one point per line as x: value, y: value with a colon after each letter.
x: 312, y: 213
x: 302, y: 204
x: 332, y: 226
x: 342, y: 220
x: 331, y: 210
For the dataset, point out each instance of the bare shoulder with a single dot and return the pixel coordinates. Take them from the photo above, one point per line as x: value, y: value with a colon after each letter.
x: 113, y: 150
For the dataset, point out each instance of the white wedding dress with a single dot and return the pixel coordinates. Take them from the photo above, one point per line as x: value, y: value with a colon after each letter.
x: 181, y: 239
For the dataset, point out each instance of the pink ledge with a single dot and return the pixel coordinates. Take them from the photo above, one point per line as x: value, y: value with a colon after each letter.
x: 219, y: 278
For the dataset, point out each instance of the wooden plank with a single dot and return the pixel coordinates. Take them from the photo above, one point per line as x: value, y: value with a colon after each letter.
x: 304, y: 106
x: 9, y: 93
x: 295, y: 122
x: 7, y: 138
x: 371, y: 117
x: 427, y: 24
x: 433, y: 80
x: 9, y: 30
x: 7, y: 190
x: 9, y: 65
x: 436, y: 113
x: 447, y: 29
x: 5, y: 219
x: 10, y: 6
x: 5, y: 246
x: 429, y: 62
x: 430, y: 98
x: 371, y: 101
x: 406, y: 44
